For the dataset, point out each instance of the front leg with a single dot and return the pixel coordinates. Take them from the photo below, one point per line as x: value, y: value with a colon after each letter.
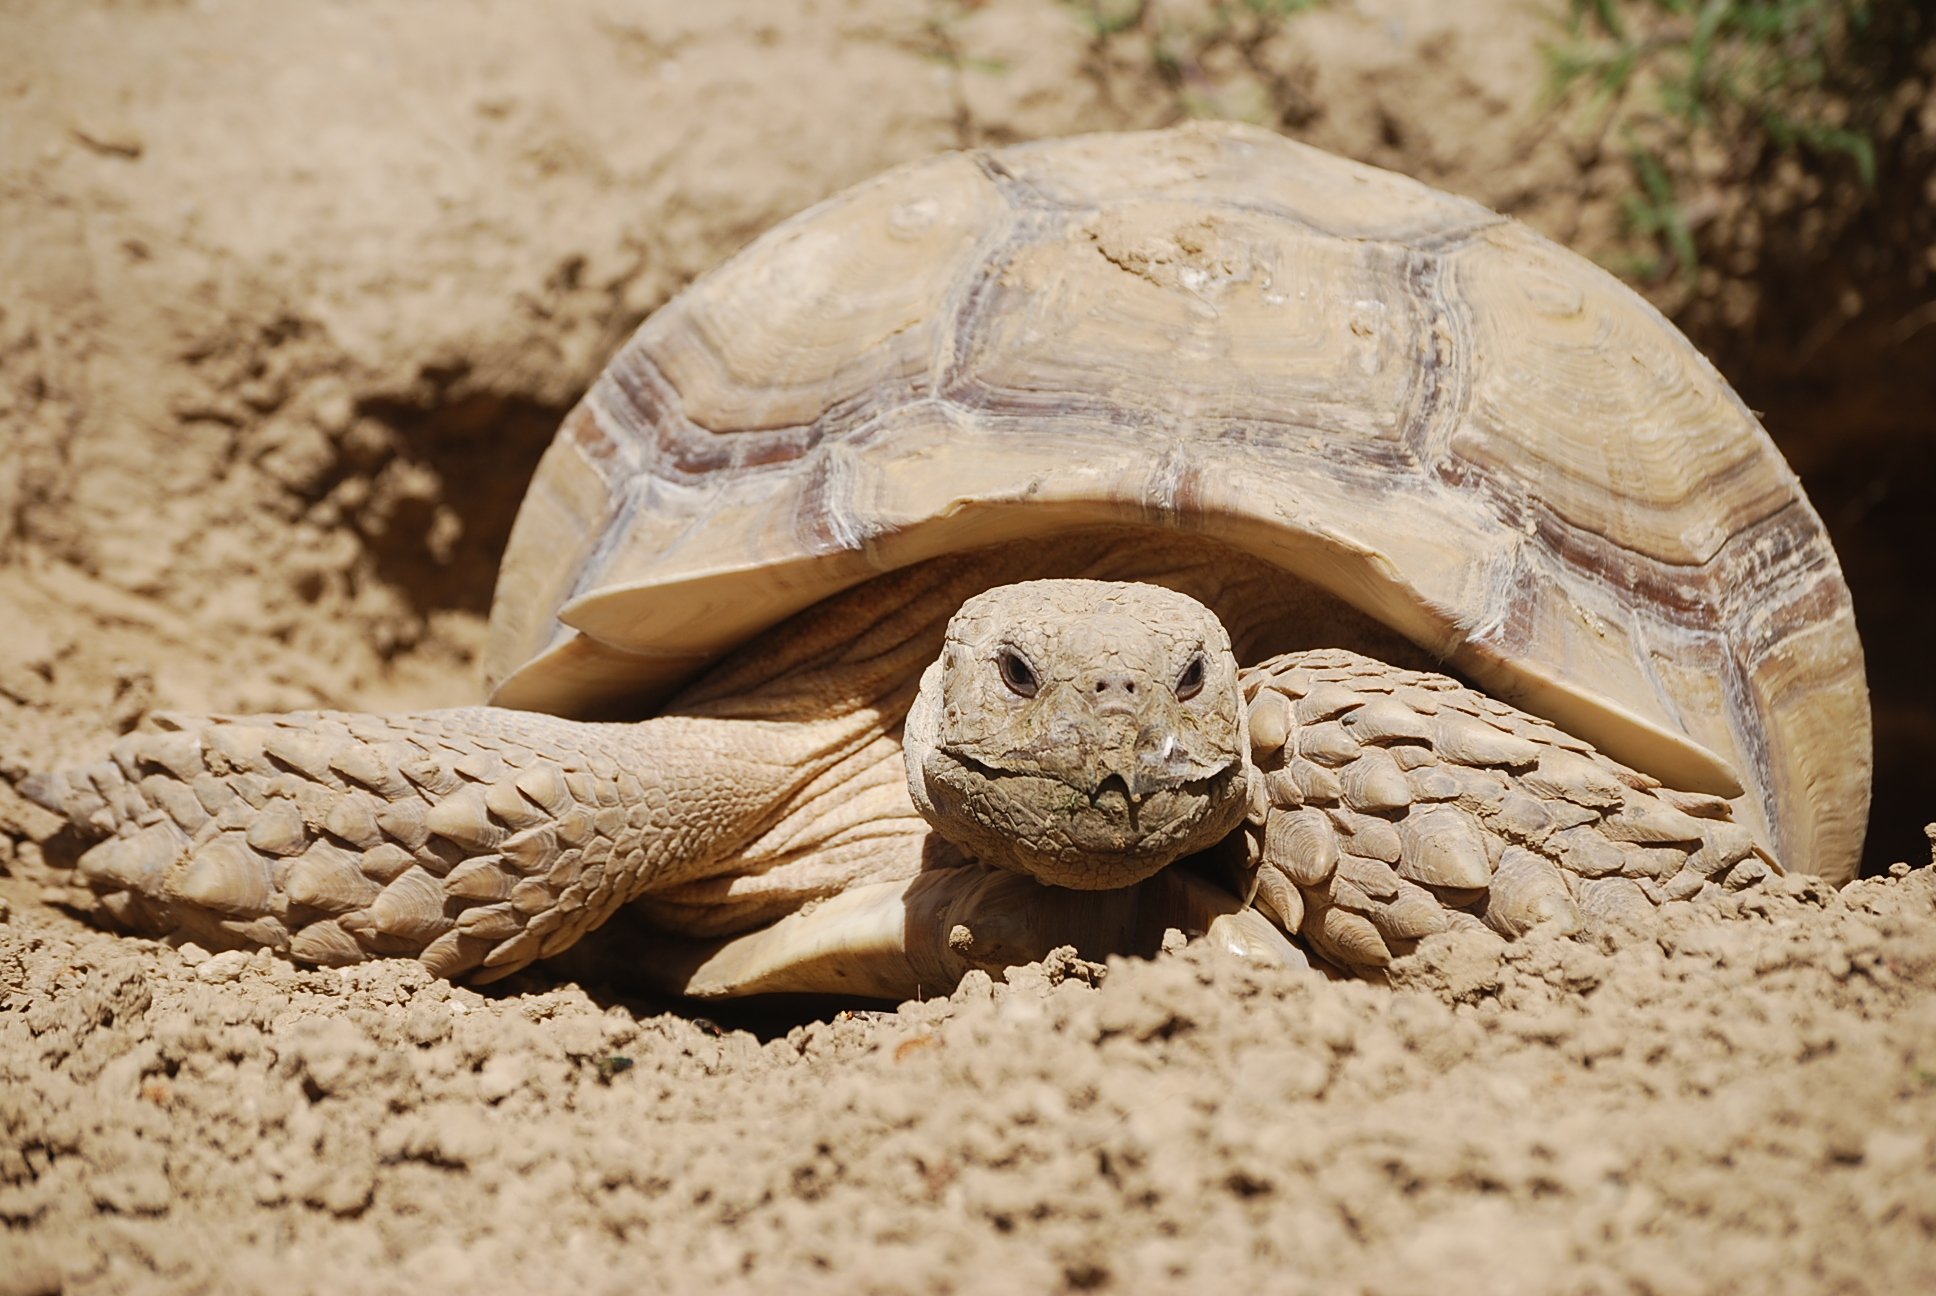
x: 469, y: 838
x: 1397, y: 804
x: 482, y: 838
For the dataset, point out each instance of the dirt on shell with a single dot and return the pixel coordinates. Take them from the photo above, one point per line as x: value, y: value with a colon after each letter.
x: 291, y: 299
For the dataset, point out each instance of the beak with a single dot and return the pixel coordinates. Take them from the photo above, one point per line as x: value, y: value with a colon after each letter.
x: 1153, y: 760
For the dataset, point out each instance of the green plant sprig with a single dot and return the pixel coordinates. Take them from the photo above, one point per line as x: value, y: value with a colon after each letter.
x: 1747, y: 74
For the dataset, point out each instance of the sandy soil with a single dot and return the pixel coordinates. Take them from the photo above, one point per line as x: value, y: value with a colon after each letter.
x: 291, y: 299
x: 1728, y: 1104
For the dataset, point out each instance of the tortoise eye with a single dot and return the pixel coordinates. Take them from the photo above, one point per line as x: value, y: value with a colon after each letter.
x: 1190, y: 682
x: 1018, y: 674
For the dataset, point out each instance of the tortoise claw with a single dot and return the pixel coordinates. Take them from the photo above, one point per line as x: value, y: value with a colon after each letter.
x: 1249, y: 934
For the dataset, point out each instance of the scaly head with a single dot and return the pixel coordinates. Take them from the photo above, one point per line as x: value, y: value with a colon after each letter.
x: 1087, y: 733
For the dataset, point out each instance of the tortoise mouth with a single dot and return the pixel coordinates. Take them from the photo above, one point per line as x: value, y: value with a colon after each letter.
x: 1030, y: 822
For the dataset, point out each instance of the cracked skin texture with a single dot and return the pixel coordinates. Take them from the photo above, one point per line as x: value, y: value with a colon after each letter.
x: 1081, y: 732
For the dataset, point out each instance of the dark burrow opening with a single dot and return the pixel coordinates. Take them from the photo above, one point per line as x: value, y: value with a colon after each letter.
x: 480, y: 450
x: 1856, y: 417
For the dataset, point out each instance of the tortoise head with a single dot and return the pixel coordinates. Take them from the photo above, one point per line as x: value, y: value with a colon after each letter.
x: 1084, y: 732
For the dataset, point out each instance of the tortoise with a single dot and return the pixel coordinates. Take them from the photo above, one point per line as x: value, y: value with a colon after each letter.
x: 1052, y: 546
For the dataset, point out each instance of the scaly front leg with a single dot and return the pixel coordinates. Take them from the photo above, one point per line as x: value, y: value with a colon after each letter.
x: 486, y: 838
x: 1397, y: 804
x: 468, y: 838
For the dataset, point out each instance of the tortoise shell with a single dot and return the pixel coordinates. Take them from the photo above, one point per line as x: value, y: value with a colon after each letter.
x: 1458, y: 427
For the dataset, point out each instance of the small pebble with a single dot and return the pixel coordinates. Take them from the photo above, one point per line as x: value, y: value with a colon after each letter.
x: 219, y: 969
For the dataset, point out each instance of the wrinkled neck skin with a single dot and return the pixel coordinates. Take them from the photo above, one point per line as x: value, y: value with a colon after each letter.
x: 1085, y: 733
x: 832, y: 686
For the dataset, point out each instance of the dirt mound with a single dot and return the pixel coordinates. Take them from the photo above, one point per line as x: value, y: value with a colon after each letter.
x: 1735, y: 1101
